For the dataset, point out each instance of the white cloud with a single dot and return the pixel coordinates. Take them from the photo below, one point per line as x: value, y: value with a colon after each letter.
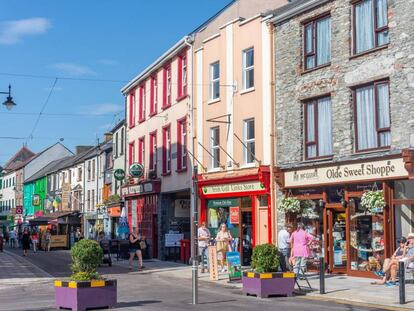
x: 102, y: 109
x: 73, y: 69
x: 107, y: 61
x: 12, y: 32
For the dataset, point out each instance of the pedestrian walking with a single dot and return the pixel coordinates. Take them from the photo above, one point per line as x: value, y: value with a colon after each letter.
x: 6, y: 238
x: 13, y: 237
x: 25, y: 241
x: 203, y: 241
x: 284, y: 245
x: 223, y: 240
x: 300, y: 240
x: 35, y: 240
x: 1, y: 242
x: 48, y: 237
x: 135, y: 248
x: 19, y: 237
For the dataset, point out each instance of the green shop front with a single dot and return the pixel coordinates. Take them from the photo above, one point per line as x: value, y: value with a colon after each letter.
x: 34, y: 198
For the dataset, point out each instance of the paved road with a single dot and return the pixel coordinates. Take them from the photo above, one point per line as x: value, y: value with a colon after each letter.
x: 146, y: 291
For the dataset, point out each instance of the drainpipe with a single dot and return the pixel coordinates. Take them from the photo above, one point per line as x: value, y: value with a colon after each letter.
x: 273, y: 208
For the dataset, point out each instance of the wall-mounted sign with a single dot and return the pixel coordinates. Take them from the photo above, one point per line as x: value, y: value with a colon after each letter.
x: 65, y: 196
x: 138, y: 189
x: 36, y: 200
x: 19, y: 210
x: 182, y: 208
x: 377, y: 170
x: 234, y: 215
x: 223, y: 202
x: 173, y: 239
x: 136, y: 170
x: 119, y: 174
x: 230, y: 188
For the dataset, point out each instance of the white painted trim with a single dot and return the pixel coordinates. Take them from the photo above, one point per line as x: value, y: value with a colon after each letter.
x: 251, y: 89
x: 230, y: 22
x: 266, y: 104
x: 199, y: 105
x: 213, y: 101
x: 249, y: 19
x: 211, y: 38
x: 199, y: 49
x: 266, y: 18
x: 229, y: 90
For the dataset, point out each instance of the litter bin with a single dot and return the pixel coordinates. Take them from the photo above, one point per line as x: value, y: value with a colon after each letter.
x: 185, y: 250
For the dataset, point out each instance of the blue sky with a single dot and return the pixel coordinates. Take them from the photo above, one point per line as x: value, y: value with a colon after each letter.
x: 82, y: 39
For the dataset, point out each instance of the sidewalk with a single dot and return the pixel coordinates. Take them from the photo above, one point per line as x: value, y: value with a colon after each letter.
x: 339, y: 288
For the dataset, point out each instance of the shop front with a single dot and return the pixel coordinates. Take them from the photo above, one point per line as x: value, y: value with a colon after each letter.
x: 243, y: 204
x: 141, y: 203
x: 352, y: 238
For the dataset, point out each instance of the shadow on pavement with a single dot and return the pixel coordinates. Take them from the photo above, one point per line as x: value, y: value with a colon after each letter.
x: 140, y: 303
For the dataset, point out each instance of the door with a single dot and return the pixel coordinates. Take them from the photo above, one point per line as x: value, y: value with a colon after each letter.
x: 336, y: 239
x: 246, y: 237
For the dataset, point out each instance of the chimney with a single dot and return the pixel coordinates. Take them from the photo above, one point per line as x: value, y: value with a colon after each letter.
x: 108, y: 137
x: 80, y: 149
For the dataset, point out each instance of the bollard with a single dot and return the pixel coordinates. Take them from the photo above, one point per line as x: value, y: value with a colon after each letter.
x: 402, y: 282
x: 321, y: 275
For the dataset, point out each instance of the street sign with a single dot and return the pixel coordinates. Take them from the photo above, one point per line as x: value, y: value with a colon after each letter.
x: 119, y: 174
x: 19, y: 210
x: 136, y: 170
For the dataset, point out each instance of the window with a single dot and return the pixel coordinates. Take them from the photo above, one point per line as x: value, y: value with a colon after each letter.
x: 141, y: 151
x: 248, y: 68
x: 372, y: 110
x: 166, y: 150
x: 93, y: 199
x: 167, y: 87
x: 215, y: 81
x: 79, y: 173
x: 131, y: 154
x: 89, y: 170
x: 181, y: 144
x: 142, y: 103
x: 249, y: 141
x: 318, y: 128
x: 182, y: 75
x: 153, y: 151
x: 370, y: 25
x: 132, y: 109
x: 116, y: 145
x: 93, y: 169
x: 153, y: 96
x: 122, y: 142
x: 317, y: 42
x: 70, y: 176
x: 214, y: 147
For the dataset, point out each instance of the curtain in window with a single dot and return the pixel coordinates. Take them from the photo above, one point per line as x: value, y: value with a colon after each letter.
x: 310, y: 61
x: 364, y: 23
x: 323, y: 44
x: 365, y: 106
x: 384, y: 113
x: 382, y: 20
x: 324, y: 127
x: 310, y: 122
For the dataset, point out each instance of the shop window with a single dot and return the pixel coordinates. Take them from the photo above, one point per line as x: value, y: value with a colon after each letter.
x: 246, y: 202
x: 404, y: 219
x: 373, y: 122
x: 335, y: 194
x: 404, y: 189
x: 263, y: 200
x: 317, y: 46
x: 366, y: 232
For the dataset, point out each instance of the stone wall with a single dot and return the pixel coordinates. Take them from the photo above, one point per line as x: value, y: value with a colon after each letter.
x: 395, y: 62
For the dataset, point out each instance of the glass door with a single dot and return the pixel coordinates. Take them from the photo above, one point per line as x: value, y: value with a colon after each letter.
x: 246, y: 235
x: 337, y: 246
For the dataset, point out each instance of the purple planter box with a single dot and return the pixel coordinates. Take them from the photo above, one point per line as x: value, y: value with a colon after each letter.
x: 79, y: 296
x: 266, y: 284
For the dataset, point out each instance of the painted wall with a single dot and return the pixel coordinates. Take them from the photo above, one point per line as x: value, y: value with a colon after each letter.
x: 34, y: 188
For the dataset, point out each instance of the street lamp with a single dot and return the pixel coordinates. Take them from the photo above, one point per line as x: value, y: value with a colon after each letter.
x: 9, y: 103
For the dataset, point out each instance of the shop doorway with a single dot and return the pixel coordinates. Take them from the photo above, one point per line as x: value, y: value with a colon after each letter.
x: 246, y: 237
x: 336, y: 239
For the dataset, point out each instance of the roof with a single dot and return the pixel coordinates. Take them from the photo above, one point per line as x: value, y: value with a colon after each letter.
x: 294, y: 8
x: 48, y: 169
x: 116, y: 127
x: 19, y: 159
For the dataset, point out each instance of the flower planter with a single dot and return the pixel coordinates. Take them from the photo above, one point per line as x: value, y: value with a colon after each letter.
x: 79, y: 296
x: 264, y: 285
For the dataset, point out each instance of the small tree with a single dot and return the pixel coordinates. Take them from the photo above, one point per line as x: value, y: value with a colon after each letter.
x: 266, y: 258
x: 86, y: 257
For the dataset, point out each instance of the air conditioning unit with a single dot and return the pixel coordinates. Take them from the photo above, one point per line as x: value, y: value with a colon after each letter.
x: 152, y: 174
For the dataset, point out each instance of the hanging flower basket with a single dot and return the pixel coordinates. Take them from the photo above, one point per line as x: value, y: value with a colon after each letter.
x: 373, y: 201
x: 290, y: 205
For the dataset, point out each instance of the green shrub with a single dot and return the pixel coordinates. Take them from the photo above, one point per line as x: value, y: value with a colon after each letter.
x: 86, y: 257
x: 266, y: 258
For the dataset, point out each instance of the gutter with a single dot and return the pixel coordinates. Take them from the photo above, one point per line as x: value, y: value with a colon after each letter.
x: 156, y: 64
x: 296, y: 10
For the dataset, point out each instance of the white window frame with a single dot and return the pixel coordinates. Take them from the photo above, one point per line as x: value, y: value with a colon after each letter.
x: 184, y: 75
x: 183, y: 144
x: 247, y: 69
x: 214, y: 147
x: 214, y: 81
x: 169, y: 94
x: 248, y: 141
x: 153, y: 138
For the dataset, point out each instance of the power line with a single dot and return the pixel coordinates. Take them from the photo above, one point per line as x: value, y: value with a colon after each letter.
x: 59, y: 77
x: 61, y: 114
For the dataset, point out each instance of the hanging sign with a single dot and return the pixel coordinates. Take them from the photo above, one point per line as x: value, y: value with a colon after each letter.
x: 234, y: 215
x: 136, y: 170
x: 119, y: 174
x: 234, y: 266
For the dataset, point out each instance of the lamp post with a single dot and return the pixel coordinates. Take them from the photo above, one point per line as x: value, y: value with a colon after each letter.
x: 9, y: 103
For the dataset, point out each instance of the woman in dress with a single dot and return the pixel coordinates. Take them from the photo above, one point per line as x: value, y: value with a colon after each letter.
x: 25, y: 241
x: 223, y: 240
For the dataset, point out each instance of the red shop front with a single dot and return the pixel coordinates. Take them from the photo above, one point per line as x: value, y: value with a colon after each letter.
x: 242, y: 202
x: 141, y: 202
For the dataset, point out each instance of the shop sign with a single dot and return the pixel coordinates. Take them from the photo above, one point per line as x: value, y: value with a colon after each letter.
x: 173, y: 239
x: 234, y: 266
x: 138, y: 189
x: 114, y: 211
x: 136, y: 170
x: 234, y: 215
x: 36, y: 200
x: 65, y: 196
x: 233, y: 188
x: 182, y: 208
x: 376, y: 170
x: 19, y: 210
x: 58, y: 241
x: 212, y: 263
x: 223, y: 203
x: 119, y: 174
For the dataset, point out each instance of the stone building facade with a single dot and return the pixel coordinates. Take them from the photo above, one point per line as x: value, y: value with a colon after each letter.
x: 343, y: 79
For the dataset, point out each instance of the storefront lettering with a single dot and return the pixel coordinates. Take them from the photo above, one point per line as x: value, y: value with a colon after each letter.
x: 254, y: 186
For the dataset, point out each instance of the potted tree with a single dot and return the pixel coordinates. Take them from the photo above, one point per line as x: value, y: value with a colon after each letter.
x: 264, y: 280
x: 85, y: 288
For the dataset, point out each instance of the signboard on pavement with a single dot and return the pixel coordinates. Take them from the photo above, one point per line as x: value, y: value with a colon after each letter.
x: 212, y: 263
x: 234, y: 266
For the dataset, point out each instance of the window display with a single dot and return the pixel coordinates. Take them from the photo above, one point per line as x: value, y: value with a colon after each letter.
x: 366, y: 237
